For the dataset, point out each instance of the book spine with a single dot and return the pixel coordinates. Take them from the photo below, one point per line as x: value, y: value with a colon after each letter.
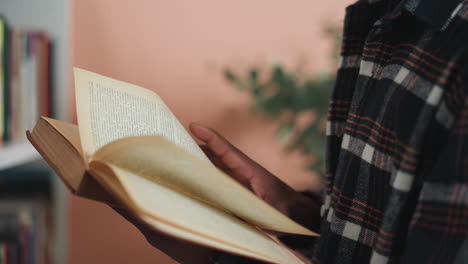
x: 25, y: 106
x: 3, y: 253
x: 7, y: 87
x: 25, y: 81
x: 2, y: 79
x: 31, y: 75
x: 43, y: 75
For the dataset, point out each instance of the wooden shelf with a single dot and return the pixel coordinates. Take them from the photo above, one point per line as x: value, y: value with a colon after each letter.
x: 17, y: 154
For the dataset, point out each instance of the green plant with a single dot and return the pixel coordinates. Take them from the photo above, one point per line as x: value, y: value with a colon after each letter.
x: 292, y: 99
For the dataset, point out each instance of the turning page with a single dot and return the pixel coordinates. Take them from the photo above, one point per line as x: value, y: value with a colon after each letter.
x: 109, y: 109
x: 160, y: 161
x: 186, y: 218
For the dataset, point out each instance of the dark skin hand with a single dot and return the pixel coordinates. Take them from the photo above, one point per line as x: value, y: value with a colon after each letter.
x: 256, y: 178
x: 179, y: 250
x: 250, y: 174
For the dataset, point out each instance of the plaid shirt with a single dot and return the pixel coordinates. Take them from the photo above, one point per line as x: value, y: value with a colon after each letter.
x: 397, y: 137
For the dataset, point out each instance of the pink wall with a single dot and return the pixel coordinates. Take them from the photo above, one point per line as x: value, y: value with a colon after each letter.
x: 178, y: 49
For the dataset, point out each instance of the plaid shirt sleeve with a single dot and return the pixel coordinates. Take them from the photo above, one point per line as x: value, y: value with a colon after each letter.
x: 397, y: 151
x: 438, y: 230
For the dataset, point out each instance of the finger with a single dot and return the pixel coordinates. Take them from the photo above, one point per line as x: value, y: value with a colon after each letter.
x: 220, y: 164
x: 214, y: 158
x: 233, y: 161
x: 218, y: 145
x: 230, y: 156
x: 208, y: 152
x: 201, y: 132
x: 214, y: 141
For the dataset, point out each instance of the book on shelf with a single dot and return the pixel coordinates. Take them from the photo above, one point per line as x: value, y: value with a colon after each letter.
x: 25, y: 80
x: 129, y: 151
x: 3, y: 78
x: 25, y: 219
x: 24, y: 231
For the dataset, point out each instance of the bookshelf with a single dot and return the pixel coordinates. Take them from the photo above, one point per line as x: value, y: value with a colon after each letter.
x: 17, y: 155
x: 20, y: 160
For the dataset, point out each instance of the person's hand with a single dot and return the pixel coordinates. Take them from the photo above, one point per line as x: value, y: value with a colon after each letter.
x: 179, y: 250
x: 256, y: 178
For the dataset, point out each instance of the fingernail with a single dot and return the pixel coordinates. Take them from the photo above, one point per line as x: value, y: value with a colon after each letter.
x: 201, y: 131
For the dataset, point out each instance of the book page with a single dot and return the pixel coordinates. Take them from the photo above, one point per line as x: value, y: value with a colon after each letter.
x: 186, y: 218
x: 160, y: 161
x: 109, y: 109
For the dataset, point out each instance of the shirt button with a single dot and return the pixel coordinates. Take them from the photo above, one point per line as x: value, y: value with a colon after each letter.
x: 378, y: 23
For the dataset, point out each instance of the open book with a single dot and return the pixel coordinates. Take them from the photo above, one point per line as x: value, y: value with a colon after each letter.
x: 130, y: 151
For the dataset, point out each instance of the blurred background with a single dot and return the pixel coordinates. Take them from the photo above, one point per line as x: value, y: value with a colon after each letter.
x: 260, y: 72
